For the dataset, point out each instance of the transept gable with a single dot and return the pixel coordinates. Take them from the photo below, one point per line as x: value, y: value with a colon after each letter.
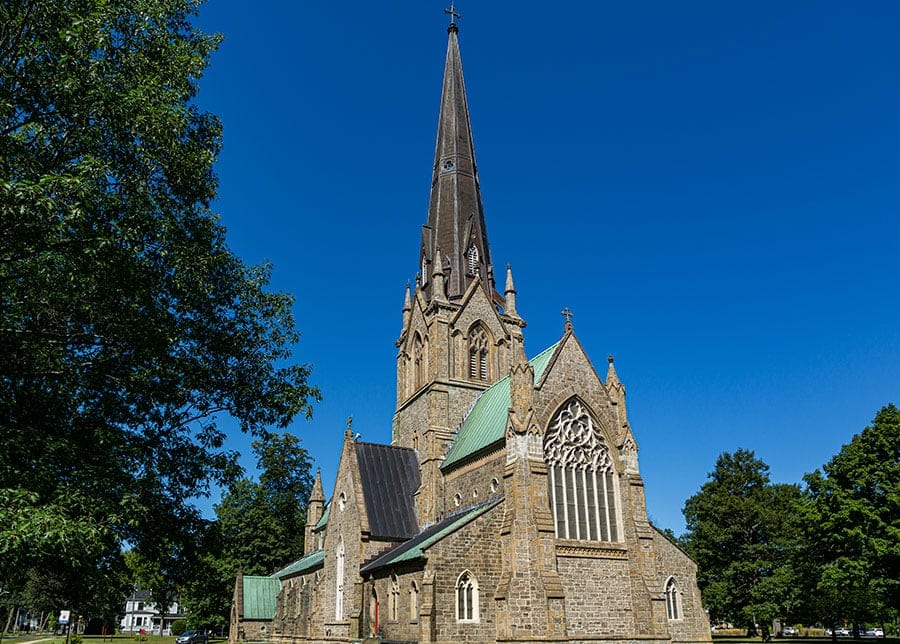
x: 347, y: 511
x: 569, y: 374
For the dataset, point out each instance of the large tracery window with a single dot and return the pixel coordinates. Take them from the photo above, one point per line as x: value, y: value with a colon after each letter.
x: 478, y: 353
x: 582, y: 477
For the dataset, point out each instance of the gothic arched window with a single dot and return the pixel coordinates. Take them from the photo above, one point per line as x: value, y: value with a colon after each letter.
x: 418, y: 362
x: 339, y: 581
x: 582, y: 478
x: 478, y: 353
x: 672, y: 600
x: 394, y: 599
x: 413, y: 602
x: 466, y: 598
x: 472, y: 258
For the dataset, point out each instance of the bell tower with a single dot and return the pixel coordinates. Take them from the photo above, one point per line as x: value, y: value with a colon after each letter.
x: 458, y: 330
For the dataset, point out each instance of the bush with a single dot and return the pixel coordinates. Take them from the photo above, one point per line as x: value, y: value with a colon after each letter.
x: 179, y: 626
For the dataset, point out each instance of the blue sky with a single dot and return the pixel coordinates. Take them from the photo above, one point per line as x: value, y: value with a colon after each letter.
x: 711, y: 187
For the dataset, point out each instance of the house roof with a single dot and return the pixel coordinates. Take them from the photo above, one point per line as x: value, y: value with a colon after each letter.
x: 304, y: 564
x: 390, y: 477
x: 486, y: 422
x: 259, y: 595
x: 415, y: 548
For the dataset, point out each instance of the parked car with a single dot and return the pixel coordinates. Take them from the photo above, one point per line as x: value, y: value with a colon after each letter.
x: 789, y: 631
x: 842, y: 632
x: 875, y: 632
x: 192, y: 637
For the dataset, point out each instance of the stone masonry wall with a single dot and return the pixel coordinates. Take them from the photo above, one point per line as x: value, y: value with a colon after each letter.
x: 598, y: 596
x: 693, y: 624
x: 474, y: 548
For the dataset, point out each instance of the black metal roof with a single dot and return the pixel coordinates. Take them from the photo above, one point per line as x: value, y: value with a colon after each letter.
x: 390, y: 478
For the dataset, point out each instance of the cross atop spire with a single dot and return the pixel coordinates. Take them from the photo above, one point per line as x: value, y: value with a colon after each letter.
x: 453, y: 15
x: 566, y: 313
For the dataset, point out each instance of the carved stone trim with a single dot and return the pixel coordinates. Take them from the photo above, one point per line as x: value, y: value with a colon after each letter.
x: 589, y: 550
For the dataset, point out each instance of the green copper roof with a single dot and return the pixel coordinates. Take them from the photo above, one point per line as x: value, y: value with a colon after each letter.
x: 486, y: 423
x: 415, y: 548
x: 310, y: 561
x: 324, y: 520
x: 259, y: 597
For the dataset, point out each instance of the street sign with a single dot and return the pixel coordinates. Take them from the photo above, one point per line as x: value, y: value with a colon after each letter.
x: 64, y: 617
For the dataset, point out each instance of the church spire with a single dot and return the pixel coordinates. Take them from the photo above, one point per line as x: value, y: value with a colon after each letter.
x: 455, y: 212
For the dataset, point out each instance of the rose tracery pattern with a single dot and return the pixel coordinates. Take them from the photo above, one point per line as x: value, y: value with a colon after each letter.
x: 573, y: 441
x: 583, y: 483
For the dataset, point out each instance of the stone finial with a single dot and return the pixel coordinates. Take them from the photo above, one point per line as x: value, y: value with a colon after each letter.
x: 510, y: 292
x: 407, y: 307
x: 348, y: 433
x: 437, y: 277
x: 612, y: 378
x: 317, y: 494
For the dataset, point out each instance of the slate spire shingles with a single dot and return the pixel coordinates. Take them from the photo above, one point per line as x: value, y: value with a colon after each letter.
x: 455, y: 212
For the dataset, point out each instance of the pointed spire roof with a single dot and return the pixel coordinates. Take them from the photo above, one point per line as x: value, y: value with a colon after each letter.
x: 455, y: 212
x: 317, y: 494
x: 612, y: 378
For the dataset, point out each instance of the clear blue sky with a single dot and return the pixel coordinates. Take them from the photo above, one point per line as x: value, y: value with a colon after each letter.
x: 711, y: 187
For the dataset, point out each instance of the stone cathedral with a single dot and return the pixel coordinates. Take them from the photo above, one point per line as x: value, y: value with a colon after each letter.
x: 509, y: 506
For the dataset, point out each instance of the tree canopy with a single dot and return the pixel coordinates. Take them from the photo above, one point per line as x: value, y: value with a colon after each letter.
x: 853, y: 520
x: 128, y: 328
x: 740, y: 528
x: 259, y: 528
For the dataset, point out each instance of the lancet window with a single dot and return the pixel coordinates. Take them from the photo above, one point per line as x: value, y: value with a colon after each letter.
x: 413, y: 602
x: 339, y: 581
x: 472, y: 257
x: 673, y: 610
x: 582, y: 477
x: 418, y: 362
x: 466, y: 598
x: 394, y: 599
x: 478, y: 353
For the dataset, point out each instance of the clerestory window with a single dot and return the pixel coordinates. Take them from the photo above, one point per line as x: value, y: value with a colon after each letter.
x: 582, y: 477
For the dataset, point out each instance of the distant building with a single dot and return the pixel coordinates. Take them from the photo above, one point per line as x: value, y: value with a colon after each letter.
x: 142, y: 614
x: 509, y: 506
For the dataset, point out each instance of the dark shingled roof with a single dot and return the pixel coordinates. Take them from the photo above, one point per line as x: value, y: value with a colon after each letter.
x: 389, y: 477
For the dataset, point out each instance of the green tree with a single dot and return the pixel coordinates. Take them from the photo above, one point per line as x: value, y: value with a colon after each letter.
x: 127, y: 326
x: 259, y: 528
x: 853, y: 522
x: 741, y: 531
